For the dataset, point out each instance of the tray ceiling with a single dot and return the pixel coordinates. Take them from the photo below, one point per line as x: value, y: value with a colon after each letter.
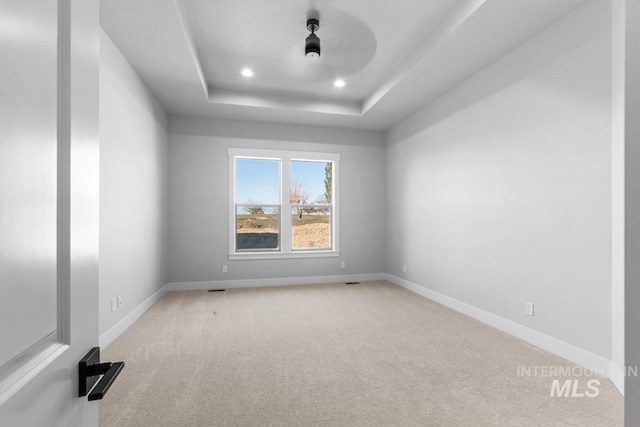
x: 393, y: 56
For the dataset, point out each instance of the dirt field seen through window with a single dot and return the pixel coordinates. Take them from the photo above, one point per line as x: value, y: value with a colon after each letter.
x: 262, y: 232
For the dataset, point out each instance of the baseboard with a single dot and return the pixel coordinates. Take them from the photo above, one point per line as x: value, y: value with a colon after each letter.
x: 552, y: 345
x: 282, y: 281
x: 617, y: 376
x: 128, y: 320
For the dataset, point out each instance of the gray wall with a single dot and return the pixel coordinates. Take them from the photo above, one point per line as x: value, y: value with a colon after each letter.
x: 199, y: 198
x: 631, y: 24
x: 618, y: 88
x: 133, y: 182
x: 500, y: 191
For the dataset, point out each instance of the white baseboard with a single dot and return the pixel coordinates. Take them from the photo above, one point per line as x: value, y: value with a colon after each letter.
x: 552, y: 345
x: 617, y: 376
x: 282, y: 281
x: 122, y: 325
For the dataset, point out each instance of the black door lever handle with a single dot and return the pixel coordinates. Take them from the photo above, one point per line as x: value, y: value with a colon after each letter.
x: 90, y: 369
x: 104, y: 384
x: 98, y: 369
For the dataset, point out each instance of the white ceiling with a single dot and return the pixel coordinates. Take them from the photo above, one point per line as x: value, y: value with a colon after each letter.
x: 394, y: 55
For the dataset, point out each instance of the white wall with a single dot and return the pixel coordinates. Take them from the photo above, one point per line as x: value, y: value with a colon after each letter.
x: 199, y: 197
x: 500, y: 191
x: 133, y: 182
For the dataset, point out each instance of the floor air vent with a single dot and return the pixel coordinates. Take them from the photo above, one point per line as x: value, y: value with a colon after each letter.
x: 216, y: 290
x: 352, y: 283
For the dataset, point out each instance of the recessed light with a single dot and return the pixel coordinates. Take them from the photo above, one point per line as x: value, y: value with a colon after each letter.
x: 339, y: 83
x: 247, y: 72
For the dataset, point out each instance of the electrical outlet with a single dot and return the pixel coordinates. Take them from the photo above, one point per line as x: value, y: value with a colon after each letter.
x: 120, y: 301
x: 224, y: 269
x: 404, y: 268
x: 114, y: 304
x: 343, y: 264
x: 528, y: 308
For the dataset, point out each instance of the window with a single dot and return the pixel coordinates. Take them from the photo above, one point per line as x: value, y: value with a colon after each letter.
x: 283, y: 204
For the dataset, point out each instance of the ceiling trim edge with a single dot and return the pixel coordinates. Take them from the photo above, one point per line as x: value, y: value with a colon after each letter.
x: 186, y: 29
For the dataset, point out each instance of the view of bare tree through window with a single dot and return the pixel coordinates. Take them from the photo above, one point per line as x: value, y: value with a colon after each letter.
x: 258, y: 206
x: 311, y: 210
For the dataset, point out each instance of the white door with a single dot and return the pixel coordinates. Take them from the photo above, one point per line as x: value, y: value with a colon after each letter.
x: 49, y: 58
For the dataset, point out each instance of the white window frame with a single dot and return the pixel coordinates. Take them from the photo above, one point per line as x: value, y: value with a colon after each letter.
x: 285, y: 250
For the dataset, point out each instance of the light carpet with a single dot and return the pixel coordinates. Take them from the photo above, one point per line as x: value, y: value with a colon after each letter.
x: 370, y: 354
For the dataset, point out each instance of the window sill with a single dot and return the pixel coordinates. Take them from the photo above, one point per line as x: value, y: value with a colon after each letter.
x: 279, y: 255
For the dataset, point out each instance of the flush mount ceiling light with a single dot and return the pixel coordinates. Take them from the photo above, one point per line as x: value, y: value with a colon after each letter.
x: 339, y: 83
x: 312, y: 44
x: 247, y: 72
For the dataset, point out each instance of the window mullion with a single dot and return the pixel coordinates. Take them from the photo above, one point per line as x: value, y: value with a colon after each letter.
x: 232, y: 204
x: 285, y: 215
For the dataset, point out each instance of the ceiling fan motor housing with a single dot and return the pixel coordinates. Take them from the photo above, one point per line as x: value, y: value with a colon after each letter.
x: 312, y: 44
